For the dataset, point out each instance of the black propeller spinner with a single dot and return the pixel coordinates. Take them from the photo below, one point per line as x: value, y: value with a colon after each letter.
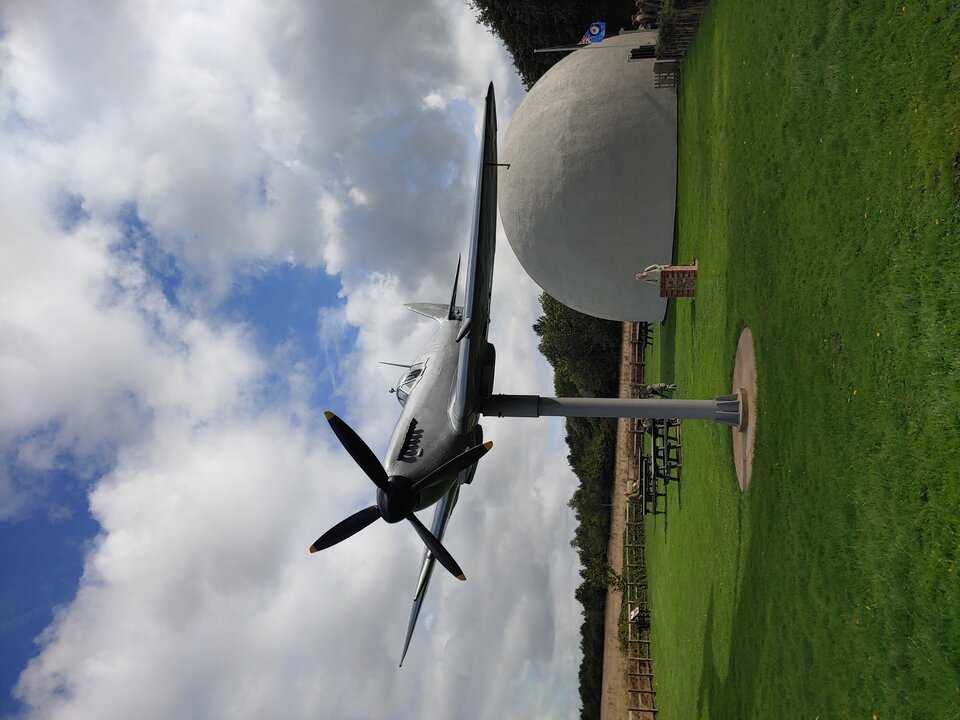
x: 397, y: 496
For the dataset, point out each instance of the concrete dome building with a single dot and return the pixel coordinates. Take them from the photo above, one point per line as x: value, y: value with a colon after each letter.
x: 589, y: 198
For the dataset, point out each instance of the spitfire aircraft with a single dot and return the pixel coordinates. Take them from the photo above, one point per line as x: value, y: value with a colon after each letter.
x: 437, y: 440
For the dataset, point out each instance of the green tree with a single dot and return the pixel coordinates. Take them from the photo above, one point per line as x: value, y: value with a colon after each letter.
x: 585, y: 355
x: 604, y: 576
x: 524, y: 26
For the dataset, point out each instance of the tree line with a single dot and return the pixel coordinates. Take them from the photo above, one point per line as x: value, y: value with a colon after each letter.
x: 525, y: 25
x: 585, y: 355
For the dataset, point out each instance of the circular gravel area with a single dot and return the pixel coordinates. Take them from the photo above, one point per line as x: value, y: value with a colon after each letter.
x: 745, y: 381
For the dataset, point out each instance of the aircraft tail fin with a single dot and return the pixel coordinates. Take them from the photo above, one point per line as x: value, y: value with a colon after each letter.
x: 437, y: 311
x: 453, y: 295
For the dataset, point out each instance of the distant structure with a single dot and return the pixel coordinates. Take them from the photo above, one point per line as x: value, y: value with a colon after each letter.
x: 589, y: 198
x: 677, y: 25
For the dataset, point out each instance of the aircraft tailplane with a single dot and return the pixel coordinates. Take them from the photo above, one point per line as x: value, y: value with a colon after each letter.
x: 436, y: 311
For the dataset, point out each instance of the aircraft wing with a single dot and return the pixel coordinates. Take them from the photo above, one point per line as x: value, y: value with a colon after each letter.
x: 440, y: 518
x: 479, y: 280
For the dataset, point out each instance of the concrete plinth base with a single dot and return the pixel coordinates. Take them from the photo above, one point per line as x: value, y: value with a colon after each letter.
x: 745, y: 382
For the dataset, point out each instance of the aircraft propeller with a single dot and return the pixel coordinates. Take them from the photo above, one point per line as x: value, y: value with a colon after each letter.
x: 397, y: 496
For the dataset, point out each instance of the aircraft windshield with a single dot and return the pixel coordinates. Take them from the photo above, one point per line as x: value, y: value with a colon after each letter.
x: 408, y: 381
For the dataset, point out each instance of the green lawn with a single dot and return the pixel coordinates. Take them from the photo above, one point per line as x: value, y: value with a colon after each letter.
x: 820, y: 190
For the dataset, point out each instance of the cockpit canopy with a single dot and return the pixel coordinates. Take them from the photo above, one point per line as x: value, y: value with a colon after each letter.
x: 409, y: 381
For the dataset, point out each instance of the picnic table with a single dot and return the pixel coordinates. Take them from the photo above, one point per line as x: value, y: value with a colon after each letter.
x: 648, y: 486
x: 667, y: 452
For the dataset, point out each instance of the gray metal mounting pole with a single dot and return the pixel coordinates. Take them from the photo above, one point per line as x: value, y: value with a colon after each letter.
x: 726, y: 409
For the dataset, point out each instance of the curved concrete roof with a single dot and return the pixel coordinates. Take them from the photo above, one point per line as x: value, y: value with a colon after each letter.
x: 589, y: 198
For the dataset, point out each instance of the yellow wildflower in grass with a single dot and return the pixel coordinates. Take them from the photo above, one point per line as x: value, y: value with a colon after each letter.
x: 878, y: 333
x: 855, y: 391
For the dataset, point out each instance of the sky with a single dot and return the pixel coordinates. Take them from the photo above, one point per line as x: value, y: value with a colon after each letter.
x: 211, y: 214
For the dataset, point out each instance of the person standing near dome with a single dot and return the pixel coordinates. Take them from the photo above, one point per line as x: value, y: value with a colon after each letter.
x: 652, y: 273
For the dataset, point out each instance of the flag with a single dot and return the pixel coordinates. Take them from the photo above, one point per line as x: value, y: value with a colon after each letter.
x: 594, y: 33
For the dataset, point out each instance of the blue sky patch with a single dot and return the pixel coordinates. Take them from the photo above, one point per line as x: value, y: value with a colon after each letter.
x: 69, y: 211
x: 282, y: 305
x: 48, y: 548
x: 139, y: 245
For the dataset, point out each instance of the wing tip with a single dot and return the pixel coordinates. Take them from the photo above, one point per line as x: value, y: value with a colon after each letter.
x: 327, y: 414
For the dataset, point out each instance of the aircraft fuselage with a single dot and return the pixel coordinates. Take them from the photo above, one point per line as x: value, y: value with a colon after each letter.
x: 425, y: 435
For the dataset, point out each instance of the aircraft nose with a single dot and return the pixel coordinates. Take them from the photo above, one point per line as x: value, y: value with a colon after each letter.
x: 398, y: 500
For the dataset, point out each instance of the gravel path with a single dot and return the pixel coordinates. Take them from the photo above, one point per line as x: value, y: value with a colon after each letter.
x: 613, y: 702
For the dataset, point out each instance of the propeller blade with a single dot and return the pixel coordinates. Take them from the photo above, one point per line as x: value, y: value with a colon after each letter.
x: 452, y: 467
x: 345, y: 528
x: 358, y: 450
x: 438, y: 550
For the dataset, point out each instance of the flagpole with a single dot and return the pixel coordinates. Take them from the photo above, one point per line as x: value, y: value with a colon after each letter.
x: 560, y: 48
x: 594, y: 35
x: 571, y: 48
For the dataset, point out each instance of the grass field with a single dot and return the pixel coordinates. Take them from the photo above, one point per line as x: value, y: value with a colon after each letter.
x: 820, y: 191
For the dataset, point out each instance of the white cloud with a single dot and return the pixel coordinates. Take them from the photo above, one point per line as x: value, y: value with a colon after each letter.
x: 358, y: 196
x: 435, y: 101
x: 244, y: 135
